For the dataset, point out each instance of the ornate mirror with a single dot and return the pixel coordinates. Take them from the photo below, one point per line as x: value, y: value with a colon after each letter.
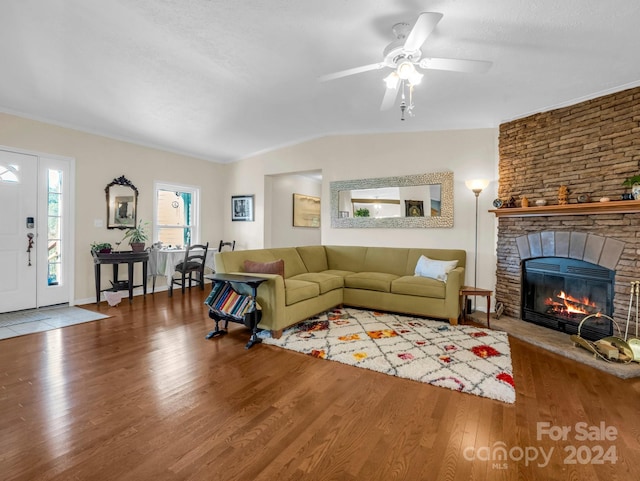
x: 424, y: 200
x: 122, y: 203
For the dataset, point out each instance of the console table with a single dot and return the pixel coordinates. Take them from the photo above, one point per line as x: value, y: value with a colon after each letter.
x: 116, y: 258
x: 253, y: 314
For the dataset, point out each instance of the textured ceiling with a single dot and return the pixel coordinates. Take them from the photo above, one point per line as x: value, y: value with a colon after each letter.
x: 222, y: 80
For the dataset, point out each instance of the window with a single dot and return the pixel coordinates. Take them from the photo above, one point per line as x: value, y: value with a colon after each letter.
x: 177, y: 216
x: 54, y: 227
x: 9, y: 173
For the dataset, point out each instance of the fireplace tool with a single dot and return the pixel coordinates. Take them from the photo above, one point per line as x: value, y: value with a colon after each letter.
x: 634, y: 342
x: 610, y: 348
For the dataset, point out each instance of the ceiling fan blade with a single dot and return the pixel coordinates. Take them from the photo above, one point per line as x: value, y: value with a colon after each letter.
x: 456, y: 65
x: 423, y: 27
x: 351, y: 71
x: 389, y: 98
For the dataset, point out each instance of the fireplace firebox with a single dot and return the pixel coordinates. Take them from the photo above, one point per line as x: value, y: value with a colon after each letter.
x: 559, y: 292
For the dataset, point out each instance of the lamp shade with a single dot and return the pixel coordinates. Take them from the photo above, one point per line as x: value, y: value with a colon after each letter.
x: 476, y: 184
x: 392, y: 80
x: 406, y: 70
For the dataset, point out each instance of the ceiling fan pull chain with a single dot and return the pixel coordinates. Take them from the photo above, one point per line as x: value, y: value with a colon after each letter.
x: 410, y: 98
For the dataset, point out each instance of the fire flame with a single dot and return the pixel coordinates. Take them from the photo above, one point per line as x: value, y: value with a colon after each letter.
x: 570, y: 305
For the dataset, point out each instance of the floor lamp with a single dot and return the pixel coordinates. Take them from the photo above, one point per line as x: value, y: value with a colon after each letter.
x: 476, y: 186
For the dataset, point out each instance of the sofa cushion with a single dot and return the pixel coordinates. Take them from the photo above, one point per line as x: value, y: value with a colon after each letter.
x: 274, y: 267
x: 373, y: 281
x: 326, y: 282
x: 419, y: 286
x: 386, y: 259
x: 337, y: 272
x: 314, y: 258
x: 293, y: 264
x: 296, y: 291
x: 349, y: 258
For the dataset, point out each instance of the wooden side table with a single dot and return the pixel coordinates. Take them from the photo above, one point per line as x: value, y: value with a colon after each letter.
x: 467, y: 291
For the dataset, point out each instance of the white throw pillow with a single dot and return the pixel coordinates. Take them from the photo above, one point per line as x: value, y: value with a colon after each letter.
x: 434, y: 269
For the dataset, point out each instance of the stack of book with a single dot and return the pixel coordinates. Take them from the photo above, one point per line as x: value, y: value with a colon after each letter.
x: 224, y: 299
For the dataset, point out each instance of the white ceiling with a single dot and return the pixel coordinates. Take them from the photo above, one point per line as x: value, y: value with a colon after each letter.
x: 225, y: 79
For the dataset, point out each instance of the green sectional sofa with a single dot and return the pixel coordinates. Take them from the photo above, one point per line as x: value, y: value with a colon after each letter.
x: 317, y: 278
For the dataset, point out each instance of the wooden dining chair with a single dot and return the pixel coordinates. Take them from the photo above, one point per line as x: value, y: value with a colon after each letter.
x: 231, y: 244
x: 194, y: 262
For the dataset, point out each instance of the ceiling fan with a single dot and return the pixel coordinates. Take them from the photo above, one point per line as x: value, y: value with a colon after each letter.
x: 404, y: 55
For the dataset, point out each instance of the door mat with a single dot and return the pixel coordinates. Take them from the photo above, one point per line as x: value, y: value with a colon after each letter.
x: 18, y: 323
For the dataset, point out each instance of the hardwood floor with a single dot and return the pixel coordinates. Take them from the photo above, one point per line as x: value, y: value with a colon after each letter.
x: 143, y: 395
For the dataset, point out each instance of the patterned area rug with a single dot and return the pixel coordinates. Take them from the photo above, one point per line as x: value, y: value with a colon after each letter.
x: 462, y: 358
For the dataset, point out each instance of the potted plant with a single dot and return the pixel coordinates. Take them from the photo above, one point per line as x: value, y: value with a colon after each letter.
x: 364, y: 212
x: 137, y: 236
x: 101, y: 247
x: 634, y: 183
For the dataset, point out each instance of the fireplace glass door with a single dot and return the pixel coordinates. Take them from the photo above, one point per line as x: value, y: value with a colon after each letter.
x: 559, y: 293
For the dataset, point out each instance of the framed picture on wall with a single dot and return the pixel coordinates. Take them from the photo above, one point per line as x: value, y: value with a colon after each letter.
x: 306, y: 211
x: 242, y: 208
x: 414, y: 208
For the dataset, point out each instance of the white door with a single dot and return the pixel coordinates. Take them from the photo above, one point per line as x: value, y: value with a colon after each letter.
x: 18, y: 201
x: 35, y: 230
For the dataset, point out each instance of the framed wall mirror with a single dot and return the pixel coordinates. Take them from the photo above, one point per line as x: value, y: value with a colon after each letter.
x: 122, y: 203
x: 423, y: 200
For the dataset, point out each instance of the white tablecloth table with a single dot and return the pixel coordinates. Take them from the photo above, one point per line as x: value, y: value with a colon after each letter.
x: 162, y: 262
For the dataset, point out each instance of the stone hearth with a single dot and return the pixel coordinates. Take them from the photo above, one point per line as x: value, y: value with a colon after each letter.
x: 557, y: 343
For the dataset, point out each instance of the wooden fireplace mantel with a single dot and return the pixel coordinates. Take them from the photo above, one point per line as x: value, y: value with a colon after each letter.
x: 587, y: 208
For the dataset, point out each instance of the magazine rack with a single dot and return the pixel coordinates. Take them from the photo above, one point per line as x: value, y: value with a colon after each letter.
x: 227, y: 304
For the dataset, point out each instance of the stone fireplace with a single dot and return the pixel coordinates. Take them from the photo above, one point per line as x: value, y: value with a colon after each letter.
x: 567, y: 276
x: 591, y: 148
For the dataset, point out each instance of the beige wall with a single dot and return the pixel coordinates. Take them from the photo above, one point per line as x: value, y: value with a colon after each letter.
x: 468, y: 154
x: 98, y: 161
x: 279, y: 229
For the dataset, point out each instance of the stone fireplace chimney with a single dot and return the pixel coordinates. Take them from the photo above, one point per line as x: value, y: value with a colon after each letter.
x: 591, y: 148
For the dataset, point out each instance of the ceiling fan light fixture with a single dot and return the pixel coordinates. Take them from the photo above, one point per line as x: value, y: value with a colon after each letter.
x: 392, y: 80
x: 405, y: 70
x: 415, y: 78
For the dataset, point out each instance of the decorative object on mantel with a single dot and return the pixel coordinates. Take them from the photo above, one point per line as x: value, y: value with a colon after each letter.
x: 618, y: 207
x: 634, y: 183
x: 563, y: 195
x: 511, y: 203
x: 541, y: 202
x: 604, y: 199
x: 524, y: 202
x: 583, y: 198
x: 497, y: 203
